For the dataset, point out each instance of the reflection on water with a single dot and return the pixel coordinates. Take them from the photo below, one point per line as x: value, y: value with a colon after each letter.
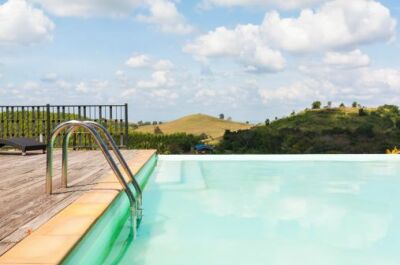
x: 259, y: 212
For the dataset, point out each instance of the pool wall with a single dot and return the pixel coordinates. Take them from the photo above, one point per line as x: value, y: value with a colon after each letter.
x: 96, y: 245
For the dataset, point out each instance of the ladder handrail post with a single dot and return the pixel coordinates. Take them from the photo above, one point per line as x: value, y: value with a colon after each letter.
x: 49, y: 163
x: 64, y: 164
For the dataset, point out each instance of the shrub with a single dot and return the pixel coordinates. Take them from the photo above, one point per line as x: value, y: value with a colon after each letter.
x: 157, y: 130
x: 178, y: 143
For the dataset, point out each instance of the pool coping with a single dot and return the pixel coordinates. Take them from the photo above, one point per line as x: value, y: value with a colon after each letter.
x: 284, y: 158
x: 54, y: 240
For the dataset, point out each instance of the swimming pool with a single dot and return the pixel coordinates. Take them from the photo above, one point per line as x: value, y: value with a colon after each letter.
x: 308, y: 210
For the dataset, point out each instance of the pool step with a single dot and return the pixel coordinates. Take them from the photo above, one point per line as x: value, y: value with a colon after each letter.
x: 178, y: 175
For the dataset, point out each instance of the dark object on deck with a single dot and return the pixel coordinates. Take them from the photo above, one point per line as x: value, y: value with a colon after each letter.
x: 24, y: 144
x: 202, y: 148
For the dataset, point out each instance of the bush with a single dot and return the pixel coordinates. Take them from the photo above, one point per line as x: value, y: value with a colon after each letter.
x: 157, y: 130
x: 365, y: 130
x: 178, y: 143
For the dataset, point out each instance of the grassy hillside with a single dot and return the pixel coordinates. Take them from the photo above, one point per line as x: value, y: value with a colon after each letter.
x: 197, y: 124
x: 335, y: 130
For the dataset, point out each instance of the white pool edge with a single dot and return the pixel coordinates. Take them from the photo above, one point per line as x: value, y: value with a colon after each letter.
x: 325, y: 157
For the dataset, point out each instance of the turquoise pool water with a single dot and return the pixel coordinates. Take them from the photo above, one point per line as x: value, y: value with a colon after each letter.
x: 269, y: 210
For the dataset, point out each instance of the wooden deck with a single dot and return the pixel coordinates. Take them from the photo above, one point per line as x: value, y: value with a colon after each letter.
x: 24, y: 206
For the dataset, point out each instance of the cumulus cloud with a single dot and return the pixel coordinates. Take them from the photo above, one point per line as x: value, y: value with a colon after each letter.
x: 288, y: 4
x: 93, y: 86
x: 334, y: 25
x: 158, y: 79
x: 161, y: 13
x: 244, y: 43
x: 347, y: 59
x: 166, y: 17
x: 89, y: 8
x: 21, y: 23
x: 371, y: 85
x: 164, y: 94
x: 381, y: 79
x: 307, y: 90
x: 337, y: 24
x: 146, y: 61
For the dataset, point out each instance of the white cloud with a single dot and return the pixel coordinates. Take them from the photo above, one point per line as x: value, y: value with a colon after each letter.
x: 119, y: 73
x: 381, y: 79
x: 89, y: 8
x: 93, y: 86
x: 307, y: 90
x: 287, y: 4
x: 161, y: 13
x: 21, y: 23
x: 231, y: 96
x: 336, y: 24
x: 164, y: 94
x: 158, y: 79
x: 244, y: 43
x: 166, y: 17
x: 146, y: 61
x: 347, y: 59
x: 368, y: 85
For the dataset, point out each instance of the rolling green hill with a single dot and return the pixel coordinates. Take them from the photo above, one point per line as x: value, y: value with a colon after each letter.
x: 196, y: 124
x: 333, y: 130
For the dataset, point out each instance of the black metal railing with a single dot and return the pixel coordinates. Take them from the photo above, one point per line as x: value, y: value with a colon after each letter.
x: 37, y: 121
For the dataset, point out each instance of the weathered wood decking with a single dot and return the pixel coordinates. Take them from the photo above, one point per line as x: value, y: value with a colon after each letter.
x: 24, y: 206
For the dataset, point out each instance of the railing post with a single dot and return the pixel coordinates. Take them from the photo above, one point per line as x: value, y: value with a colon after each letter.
x: 126, y: 126
x: 48, y: 127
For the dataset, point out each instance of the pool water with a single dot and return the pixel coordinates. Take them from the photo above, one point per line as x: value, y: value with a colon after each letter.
x: 286, y: 210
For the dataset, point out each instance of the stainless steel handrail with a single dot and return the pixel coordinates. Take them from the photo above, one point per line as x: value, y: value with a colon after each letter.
x: 71, y: 126
x: 114, y: 148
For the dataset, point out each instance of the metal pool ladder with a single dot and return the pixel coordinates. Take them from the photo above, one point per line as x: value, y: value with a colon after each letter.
x: 96, y: 130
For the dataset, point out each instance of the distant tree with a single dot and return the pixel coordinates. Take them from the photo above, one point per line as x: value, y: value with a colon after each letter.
x: 157, y: 130
x: 160, y: 122
x: 362, y: 112
x: 155, y: 122
x: 329, y: 105
x: 267, y: 122
x: 342, y: 105
x: 229, y: 118
x: 247, y: 122
x: 140, y: 123
x: 203, y: 136
x: 221, y: 116
x: 276, y: 118
x: 293, y: 113
x: 354, y: 104
x: 316, y: 105
x: 147, y: 123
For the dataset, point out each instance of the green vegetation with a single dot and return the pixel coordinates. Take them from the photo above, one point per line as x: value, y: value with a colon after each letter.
x: 328, y: 130
x: 177, y: 143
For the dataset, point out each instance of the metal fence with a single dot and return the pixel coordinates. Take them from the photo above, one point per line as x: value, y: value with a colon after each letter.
x: 38, y: 121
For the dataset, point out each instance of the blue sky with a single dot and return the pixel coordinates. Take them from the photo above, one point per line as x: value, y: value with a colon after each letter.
x: 249, y: 59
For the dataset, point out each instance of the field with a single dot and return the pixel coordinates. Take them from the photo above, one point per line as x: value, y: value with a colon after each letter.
x: 197, y: 124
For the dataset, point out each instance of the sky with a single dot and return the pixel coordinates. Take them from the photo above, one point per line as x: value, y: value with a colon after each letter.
x: 248, y: 59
